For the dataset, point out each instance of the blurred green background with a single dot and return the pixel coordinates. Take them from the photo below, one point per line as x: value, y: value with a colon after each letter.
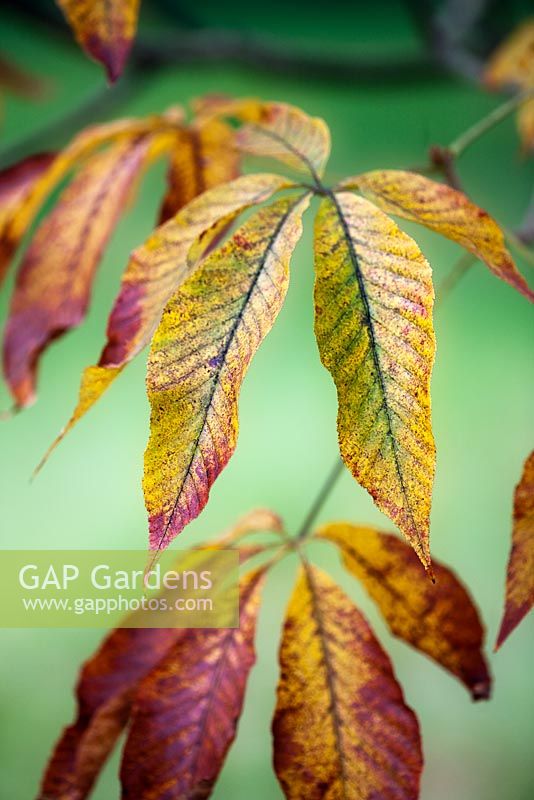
x: 89, y: 495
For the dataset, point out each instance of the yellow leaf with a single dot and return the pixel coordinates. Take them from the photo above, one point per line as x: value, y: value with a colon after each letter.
x: 440, y: 620
x: 341, y: 729
x: 153, y: 273
x: 513, y: 62
x: 200, y: 353
x: 289, y: 135
x: 444, y: 210
x: 520, y: 573
x: 373, y: 322
x: 104, y: 28
x: 95, y: 381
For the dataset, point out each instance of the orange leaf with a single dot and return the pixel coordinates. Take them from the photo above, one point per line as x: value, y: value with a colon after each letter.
x: 446, y: 211
x: 104, y: 28
x: 520, y: 574
x: 203, y: 157
x: 187, y: 709
x: 440, y: 620
x: 55, y: 278
x: 341, y: 728
x: 513, y: 61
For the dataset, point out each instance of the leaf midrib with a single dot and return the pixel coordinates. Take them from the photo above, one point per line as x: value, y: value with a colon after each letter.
x: 231, y: 336
x: 374, y: 347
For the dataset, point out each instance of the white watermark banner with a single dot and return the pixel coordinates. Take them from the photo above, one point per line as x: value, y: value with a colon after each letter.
x: 115, y: 588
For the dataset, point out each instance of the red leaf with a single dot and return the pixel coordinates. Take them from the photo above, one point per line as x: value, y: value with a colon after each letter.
x: 15, y: 184
x: 104, y: 695
x: 520, y: 575
x: 56, y: 276
x: 187, y: 709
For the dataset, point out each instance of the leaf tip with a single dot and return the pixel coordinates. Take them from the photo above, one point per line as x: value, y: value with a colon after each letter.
x: 481, y: 690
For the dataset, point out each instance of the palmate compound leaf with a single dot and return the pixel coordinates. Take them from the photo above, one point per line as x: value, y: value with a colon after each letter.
x: 109, y: 679
x: 104, y: 28
x: 17, y: 217
x: 187, y: 709
x: 373, y: 322
x: 341, y: 728
x: 155, y: 271
x: 446, y: 211
x: 55, y: 279
x: 440, y: 620
x: 520, y: 573
x: 200, y: 353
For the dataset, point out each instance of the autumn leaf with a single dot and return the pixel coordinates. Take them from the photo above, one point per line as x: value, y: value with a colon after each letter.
x: 513, y: 61
x: 187, y: 709
x: 341, y: 728
x: 15, y: 185
x: 55, y: 278
x: 154, y: 272
x: 287, y: 134
x: 373, y: 322
x: 109, y: 679
x: 446, y: 211
x: 440, y: 620
x: 512, y: 64
x: 520, y: 573
x: 203, y: 157
x: 104, y: 28
x: 19, y: 215
x: 104, y: 695
x: 200, y: 353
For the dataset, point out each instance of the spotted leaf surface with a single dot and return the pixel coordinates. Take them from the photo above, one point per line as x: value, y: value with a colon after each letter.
x: 200, y: 353
x: 203, y: 157
x: 104, y: 28
x: 341, y: 727
x: 288, y: 135
x: 54, y: 282
x: 520, y: 574
x: 373, y: 322
x: 446, y: 211
x: 187, y: 709
x: 440, y: 620
x: 153, y: 273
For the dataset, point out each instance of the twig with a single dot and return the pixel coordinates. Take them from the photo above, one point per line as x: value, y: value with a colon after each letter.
x: 320, y: 498
x: 466, y: 139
